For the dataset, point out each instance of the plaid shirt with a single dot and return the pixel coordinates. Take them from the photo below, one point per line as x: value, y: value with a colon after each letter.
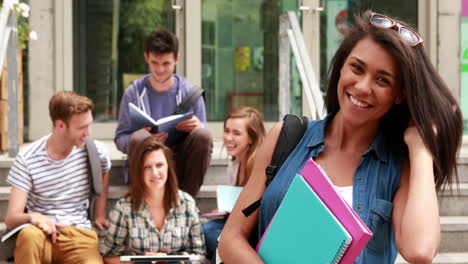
x: 134, y: 233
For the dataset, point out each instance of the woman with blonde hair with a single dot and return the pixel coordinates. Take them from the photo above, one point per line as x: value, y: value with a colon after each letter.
x: 243, y: 134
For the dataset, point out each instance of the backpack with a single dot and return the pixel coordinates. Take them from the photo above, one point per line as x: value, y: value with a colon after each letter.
x: 291, y: 133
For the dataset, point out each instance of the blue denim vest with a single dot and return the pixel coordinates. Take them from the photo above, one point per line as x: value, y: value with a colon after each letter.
x: 375, y: 182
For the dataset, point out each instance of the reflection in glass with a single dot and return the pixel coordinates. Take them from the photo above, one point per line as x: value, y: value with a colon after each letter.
x: 109, y: 44
x: 240, y: 55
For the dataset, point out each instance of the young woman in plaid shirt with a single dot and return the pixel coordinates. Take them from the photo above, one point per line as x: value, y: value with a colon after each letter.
x: 154, y: 217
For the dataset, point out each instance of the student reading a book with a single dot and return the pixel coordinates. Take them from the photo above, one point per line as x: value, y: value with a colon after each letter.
x: 50, y: 179
x: 243, y: 134
x: 158, y: 94
x: 392, y: 133
x: 154, y: 217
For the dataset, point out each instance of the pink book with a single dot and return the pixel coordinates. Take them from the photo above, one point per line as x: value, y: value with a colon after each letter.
x: 323, y: 187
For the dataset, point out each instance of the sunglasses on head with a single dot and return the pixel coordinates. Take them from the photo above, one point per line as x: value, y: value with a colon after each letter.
x: 406, y: 33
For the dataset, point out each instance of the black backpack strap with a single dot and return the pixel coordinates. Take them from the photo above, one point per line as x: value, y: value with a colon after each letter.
x: 189, y: 100
x: 291, y: 133
x: 251, y: 208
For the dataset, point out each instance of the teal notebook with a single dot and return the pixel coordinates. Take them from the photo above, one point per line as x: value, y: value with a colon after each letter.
x: 303, y: 230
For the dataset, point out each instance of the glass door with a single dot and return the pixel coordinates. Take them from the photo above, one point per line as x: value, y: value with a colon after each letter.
x: 240, y: 55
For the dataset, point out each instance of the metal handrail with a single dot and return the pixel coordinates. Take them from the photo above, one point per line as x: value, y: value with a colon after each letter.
x: 4, y: 33
x: 315, y: 92
x: 9, y: 45
x: 310, y: 85
x: 303, y: 74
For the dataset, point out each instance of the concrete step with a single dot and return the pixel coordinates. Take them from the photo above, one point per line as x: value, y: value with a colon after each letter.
x: 454, y: 202
x: 454, y: 228
x: 7, y: 247
x: 463, y: 169
x: 443, y: 258
x: 206, y: 198
x: 454, y: 236
x: 216, y: 173
x: 453, y: 249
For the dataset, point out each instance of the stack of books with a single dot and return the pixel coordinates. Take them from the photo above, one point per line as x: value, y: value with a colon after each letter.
x: 313, y: 224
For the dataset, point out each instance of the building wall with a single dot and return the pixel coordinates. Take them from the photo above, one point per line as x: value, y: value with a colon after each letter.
x: 41, y: 67
x: 448, y: 39
x: 50, y: 60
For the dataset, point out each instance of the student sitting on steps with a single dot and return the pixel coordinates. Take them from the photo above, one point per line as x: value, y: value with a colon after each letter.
x: 50, y: 179
x: 154, y: 217
x: 243, y: 134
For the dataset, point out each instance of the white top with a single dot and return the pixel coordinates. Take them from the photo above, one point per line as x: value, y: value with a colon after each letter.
x: 232, y: 171
x: 58, y: 189
x: 346, y: 192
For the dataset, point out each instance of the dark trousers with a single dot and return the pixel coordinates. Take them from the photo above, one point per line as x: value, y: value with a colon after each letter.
x: 212, y: 229
x: 192, y: 157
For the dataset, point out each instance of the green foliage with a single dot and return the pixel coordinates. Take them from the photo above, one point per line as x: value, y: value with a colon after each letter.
x: 21, y: 9
x: 23, y: 31
x: 137, y: 19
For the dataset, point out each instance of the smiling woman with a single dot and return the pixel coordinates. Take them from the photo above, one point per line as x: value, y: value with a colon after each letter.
x: 368, y: 88
x: 243, y: 134
x: 384, y: 99
x: 154, y: 217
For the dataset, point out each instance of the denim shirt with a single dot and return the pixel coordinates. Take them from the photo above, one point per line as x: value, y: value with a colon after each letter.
x: 375, y: 182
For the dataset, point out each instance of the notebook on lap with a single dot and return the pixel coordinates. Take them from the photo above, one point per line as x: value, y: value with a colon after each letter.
x: 170, y: 258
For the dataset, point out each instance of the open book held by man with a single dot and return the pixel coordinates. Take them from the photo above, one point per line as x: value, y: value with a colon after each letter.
x: 166, y: 124
x: 162, y: 93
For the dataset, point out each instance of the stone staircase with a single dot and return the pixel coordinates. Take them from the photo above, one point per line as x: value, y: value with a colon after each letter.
x: 206, y: 199
x: 454, y: 219
x: 453, y: 205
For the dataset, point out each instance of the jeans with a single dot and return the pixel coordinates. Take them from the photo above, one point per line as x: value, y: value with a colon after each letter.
x: 212, y: 230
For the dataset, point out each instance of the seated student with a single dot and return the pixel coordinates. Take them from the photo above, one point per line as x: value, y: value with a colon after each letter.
x: 154, y: 217
x: 50, y: 179
x: 243, y: 134
x: 159, y: 93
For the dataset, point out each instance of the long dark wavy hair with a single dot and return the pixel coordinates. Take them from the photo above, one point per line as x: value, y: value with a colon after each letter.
x: 428, y: 101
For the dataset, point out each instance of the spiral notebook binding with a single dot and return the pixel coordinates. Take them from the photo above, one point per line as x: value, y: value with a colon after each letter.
x: 344, y: 246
